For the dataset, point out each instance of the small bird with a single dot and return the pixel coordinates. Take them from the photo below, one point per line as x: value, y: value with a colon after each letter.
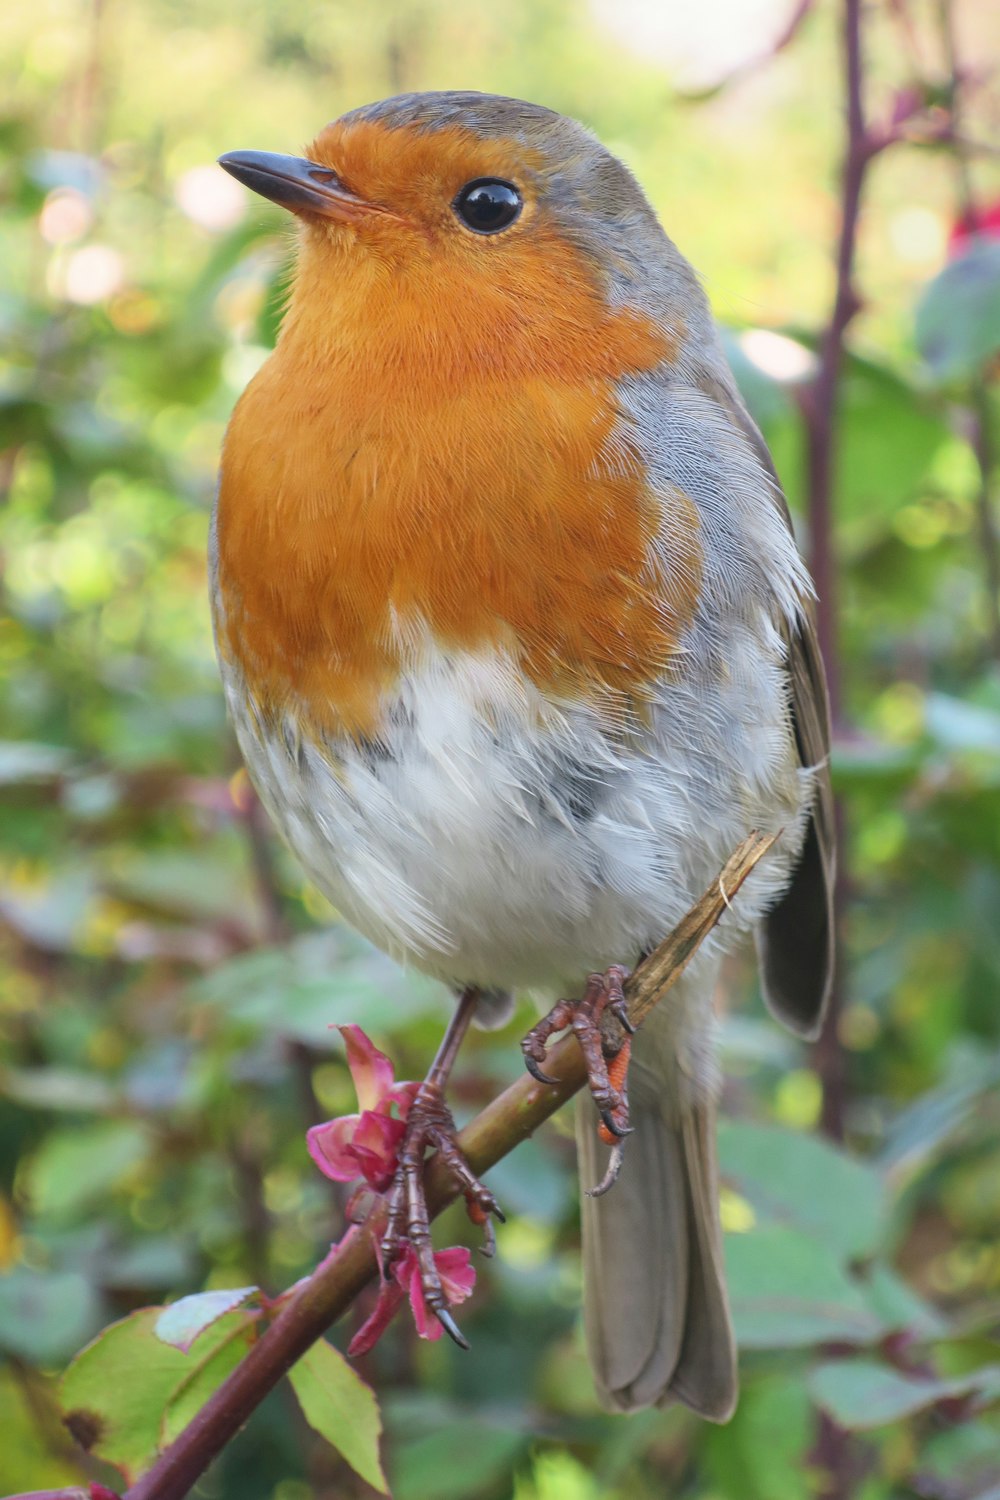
x: 518, y: 646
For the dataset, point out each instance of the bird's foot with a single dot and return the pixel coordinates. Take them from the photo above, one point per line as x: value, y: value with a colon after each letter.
x: 429, y: 1123
x: 600, y: 1023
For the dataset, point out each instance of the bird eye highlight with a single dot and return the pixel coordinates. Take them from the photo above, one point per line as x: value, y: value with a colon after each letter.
x: 488, y: 205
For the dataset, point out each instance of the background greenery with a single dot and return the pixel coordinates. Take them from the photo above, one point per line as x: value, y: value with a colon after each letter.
x: 166, y: 979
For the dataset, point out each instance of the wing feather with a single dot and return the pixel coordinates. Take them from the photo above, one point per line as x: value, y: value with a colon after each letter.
x: 795, y: 940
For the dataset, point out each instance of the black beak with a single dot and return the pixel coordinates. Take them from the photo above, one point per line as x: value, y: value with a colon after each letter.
x: 301, y: 186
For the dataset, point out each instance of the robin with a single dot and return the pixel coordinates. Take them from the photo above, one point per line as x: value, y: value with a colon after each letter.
x: 518, y: 647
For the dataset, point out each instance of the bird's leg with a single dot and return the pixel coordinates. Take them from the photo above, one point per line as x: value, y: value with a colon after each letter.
x: 429, y: 1123
x: 606, y: 1050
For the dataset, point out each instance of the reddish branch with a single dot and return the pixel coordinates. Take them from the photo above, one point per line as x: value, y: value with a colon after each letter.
x: 502, y: 1125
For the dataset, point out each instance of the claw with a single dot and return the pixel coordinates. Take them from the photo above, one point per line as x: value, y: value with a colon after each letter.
x: 536, y: 1072
x: 611, y: 1175
x: 621, y: 1131
x: 620, y: 1012
x: 450, y: 1327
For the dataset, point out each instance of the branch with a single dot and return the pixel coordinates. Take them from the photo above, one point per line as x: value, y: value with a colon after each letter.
x: 502, y: 1125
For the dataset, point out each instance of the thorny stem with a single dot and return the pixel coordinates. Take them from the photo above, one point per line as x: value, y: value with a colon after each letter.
x: 820, y: 407
x: 832, y: 1451
x: 502, y: 1125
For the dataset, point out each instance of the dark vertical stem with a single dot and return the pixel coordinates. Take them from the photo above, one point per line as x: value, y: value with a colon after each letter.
x: 989, y: 541
x: 821, y: 428
x: 821, y: 407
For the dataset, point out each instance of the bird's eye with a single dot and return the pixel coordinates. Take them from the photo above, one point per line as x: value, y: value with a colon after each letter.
x: 488, y: 205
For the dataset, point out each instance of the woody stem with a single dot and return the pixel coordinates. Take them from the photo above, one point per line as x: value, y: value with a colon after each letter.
x: 503, y: 1124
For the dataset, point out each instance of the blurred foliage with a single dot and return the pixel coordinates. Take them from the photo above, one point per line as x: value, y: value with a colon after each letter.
x: 166, y: 980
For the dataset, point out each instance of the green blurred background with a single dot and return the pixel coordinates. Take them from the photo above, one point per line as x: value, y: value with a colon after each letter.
x: 166, y: 978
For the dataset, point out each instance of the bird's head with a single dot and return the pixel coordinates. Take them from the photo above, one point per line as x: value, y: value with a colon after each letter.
x: 488, y: 215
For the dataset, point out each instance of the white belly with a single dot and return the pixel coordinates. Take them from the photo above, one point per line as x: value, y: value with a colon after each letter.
x: 492, y: 837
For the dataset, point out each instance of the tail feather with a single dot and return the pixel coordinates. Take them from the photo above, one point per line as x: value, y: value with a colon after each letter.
x: 655, y: 1306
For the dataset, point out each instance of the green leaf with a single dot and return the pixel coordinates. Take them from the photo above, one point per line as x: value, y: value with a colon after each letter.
x: 46, y: 1315
x: 958, y: 316
x: 889, y: 436
x: 206, y: 1377
x: 858, y: 1393
x: 798, y: 1179
x: 75, y: 1168
x: 338, y: 1404
x: 788, y: 1289
x: 761, y: 1453
x: 899, y: 1307
x: 27, y: 1460
x: 957, y: 725
x: 964, y: 1458
x: 318, y: 981
x: 58, y: 1089
x: 182, y: 1322
x: 117, y: 1392
x: 456, y: 1462
x: 21, y: 761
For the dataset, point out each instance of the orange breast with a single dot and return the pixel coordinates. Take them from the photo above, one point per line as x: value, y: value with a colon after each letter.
x: 424, y: 455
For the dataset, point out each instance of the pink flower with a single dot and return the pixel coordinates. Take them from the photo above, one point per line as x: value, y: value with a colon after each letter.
x: 458, y: 1277
x: 980, y: 223
x: 367, y: 1144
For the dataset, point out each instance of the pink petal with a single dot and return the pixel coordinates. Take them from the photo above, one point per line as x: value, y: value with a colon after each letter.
x: 458, y: 1277
x: 407, y: 1272
x: 402, y: 1095
x: 371, y: 1070
x: 375, y: 1147
x: 457, y: 1273
x: 330, y: 1148
x: 390, y: 1299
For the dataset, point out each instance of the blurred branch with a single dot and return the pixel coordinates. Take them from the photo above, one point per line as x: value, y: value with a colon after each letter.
x: 755, y: 63
x: 820, y: 404
x: 493, y: 1134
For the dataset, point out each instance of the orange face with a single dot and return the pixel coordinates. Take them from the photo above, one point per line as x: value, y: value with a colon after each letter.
x: 436, y: 447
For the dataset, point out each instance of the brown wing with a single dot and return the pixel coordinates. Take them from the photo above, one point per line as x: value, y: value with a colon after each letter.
x: 795, y: 940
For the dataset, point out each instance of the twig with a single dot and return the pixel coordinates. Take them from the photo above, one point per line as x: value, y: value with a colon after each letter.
x: 501, y: 1126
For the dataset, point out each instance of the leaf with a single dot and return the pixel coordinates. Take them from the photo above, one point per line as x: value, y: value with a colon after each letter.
x: 117, y: 1391
x: 778, y: 1172
x: 958, y: 316
x: 859, y: 1394
x: 788, y: 1289
x: 899, y: 1307
x: 27, y: 1460
x: 889, y: 436
x: 182, y: 1322
x: 58, y: 1089
x: 318, y: 981
x: 77, y: 1167
x: 456, y: 1462
x: 46, y: 1315
x: 761, y: 1453
x: 957, y: 725
x: 22, y: 761
x: 206, y: 1377
x: 965, y: 1458
x: 337, y: 1403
